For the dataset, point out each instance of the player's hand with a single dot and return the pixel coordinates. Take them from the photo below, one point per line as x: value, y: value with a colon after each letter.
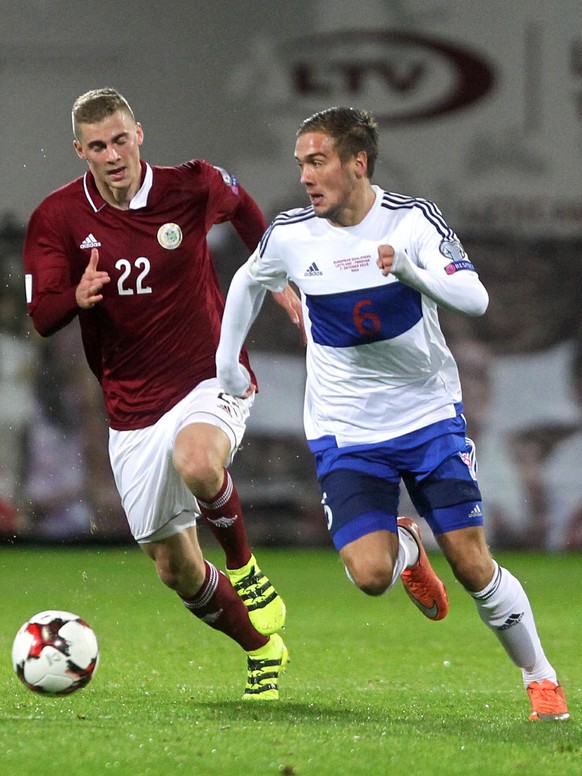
x: 291, y: 303
x: 385, y: 259
x: 237, y: 381
x: 88, y: 292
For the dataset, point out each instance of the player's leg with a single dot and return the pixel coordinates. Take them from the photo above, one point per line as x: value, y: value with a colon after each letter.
x: 205, y: 591
x: 504, y: 607
x: 150, y: 490
x: 373, y: 561
x: 361, y: 494
x: 450, y: 501
x: 201, y: 452
x: 209, y: 595
x: 361, y: 513
x: 210, y: 429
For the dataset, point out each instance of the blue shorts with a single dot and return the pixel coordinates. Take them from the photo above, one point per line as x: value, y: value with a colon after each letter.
x: 361, y: 484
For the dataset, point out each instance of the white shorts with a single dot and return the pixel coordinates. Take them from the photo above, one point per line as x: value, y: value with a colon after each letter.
x: 155, y: 499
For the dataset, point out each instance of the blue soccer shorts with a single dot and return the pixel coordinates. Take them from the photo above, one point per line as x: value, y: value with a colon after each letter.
x: 360, y: 484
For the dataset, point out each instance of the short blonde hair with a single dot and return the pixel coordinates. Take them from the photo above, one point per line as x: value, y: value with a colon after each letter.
x: 97, y: 104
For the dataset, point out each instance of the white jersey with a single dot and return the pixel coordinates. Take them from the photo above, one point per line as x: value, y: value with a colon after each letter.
x: 378, y: 366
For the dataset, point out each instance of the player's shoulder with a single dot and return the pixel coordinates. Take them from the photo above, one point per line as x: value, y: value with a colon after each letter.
x: 391, y: 200
x: 200, y: 173
x: 190, y: 169
x: 198, y: 168
x: 419, y: 210
x: 63, y: 197
x: 286, y: 223
x: 294, y: 215
x: 286, y: 219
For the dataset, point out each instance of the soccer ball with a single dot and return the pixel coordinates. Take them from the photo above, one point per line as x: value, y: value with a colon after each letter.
x: 55, y: 653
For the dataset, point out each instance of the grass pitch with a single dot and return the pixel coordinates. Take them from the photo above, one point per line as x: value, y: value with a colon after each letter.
x: 372, y: 688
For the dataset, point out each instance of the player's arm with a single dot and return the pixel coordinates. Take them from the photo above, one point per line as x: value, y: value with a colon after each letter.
x: 250, y: 224
x: 53, y: 298
x: 50, y: 292
x: 243, y: 303
x: 436, y: 264
x: 460, y: 291
x: 248, y: 219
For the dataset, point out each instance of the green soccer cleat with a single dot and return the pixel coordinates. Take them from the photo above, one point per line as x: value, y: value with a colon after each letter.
x: 264, y: 667
x: 265, y: 606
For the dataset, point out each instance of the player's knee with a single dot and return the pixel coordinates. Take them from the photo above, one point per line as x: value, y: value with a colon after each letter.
x: 177, y: 575
x: 192, y: 464
x: 469, y: 557
x: 168, y: 573
x: 372, y: 580
x: 473, y: 572
x: 200, y: 473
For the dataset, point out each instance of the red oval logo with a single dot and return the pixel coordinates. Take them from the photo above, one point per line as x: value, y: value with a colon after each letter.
x: 402, y: 77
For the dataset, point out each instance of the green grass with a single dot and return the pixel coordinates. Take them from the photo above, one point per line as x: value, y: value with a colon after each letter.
x: 372, y: 688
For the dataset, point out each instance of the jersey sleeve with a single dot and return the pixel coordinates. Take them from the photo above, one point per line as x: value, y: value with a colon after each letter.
x: 229, y: 201
x: 436, y: 265
x: 266, y: 265
x: 243, y: 303
x: 50, y: 290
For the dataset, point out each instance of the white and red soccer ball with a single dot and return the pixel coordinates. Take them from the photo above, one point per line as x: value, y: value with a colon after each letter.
x: 55, y: 653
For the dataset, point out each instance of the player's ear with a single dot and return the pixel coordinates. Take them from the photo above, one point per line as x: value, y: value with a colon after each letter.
x: 361, y: 159
x: 79, y: 149
x: 139, y: 132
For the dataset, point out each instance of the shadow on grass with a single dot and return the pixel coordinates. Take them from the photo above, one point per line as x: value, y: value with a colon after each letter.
x: 506, y: 728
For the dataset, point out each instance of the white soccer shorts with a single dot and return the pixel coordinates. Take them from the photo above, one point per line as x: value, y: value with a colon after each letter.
x: 155, y: 499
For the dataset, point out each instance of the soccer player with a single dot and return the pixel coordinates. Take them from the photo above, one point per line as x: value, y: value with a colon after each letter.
x: 383, y: 398
x: 123, y: 249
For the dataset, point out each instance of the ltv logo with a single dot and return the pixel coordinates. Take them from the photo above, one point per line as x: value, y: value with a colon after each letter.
x: 401, y: 77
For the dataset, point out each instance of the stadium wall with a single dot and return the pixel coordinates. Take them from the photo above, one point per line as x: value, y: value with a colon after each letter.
x: 480, y: 109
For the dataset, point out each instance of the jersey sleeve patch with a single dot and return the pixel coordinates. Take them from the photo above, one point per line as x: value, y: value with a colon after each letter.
x: 453, y: 250
x: 455, y: 266
x: 229, y: 179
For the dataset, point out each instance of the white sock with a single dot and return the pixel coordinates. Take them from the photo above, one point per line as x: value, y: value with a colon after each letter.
x: 504, y: 607
x: 408, y: 547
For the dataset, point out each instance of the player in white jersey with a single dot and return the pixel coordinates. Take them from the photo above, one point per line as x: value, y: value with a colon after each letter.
x: 383, y: 399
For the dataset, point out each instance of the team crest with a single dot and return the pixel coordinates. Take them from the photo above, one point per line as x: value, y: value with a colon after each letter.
x: 169, y: 236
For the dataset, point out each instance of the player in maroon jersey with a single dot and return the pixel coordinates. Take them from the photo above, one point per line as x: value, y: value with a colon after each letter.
x: 123, y: 249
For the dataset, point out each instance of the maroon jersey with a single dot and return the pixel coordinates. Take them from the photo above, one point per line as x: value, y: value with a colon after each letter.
x: 154, y: 336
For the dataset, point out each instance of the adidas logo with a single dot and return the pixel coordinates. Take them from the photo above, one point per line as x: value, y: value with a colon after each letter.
x: 90, y: 242
x: 312, y: 271
x: 222, y: 522
x: 512, y: 620
x: 211, y: 617
x: 475, y: 512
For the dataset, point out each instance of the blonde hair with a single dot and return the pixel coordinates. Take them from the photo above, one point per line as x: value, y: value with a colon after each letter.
x: 97, y: 104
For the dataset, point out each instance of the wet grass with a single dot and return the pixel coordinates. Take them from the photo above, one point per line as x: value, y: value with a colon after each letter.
x: 372, y: 688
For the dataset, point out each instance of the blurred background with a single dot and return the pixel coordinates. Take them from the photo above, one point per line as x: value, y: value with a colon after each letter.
x: 480, y: 109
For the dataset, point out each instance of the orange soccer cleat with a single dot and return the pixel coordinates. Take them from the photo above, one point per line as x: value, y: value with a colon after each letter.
x: 548, y: 701
x: 420, y: 581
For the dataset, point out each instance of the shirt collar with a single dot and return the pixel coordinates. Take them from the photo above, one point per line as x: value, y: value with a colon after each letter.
x: 140, y: 199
